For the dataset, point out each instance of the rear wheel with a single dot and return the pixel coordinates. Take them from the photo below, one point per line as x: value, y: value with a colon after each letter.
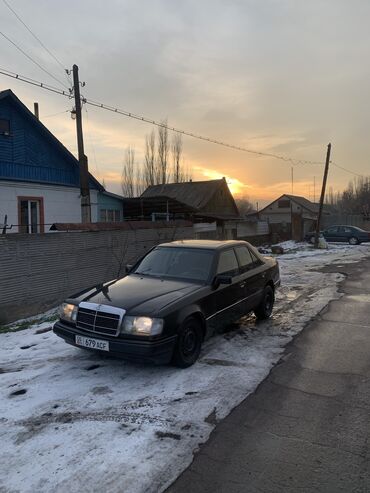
x: 312, y: 240
x: 188, y: 343
x: 353, y: 241
x: 264, y: 309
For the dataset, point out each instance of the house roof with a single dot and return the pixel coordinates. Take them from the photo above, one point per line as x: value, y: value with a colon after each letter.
x: 195, y: 194
x: 8, y: 93
x: 303, y: 202
x: 113, y: 195
x: 312, y: 207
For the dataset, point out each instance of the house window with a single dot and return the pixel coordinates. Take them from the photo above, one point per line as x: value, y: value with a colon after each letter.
x: 4, y: 127
x: 30, y: 214
x: 110, y: 215
x: 283, y: 204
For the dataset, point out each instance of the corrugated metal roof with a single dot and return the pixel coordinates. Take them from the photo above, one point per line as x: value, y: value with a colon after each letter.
x: 196, y: 194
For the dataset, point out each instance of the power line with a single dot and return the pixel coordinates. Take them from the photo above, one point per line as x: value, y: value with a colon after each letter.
x: 55, y: 114
x: 39, y: 41
x: 196, y: 136
x: 36, y: 83
x: 30, y: 58
x: 345, y: 169
x: 159, y: 124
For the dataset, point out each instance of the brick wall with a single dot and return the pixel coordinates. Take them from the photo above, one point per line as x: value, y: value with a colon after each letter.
x: 38, y: 271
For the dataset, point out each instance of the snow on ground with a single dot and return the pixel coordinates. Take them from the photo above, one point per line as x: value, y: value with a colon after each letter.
x: 72, y: 420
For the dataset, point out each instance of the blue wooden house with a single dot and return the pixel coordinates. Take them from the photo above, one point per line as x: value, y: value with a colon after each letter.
x: 39, y: 177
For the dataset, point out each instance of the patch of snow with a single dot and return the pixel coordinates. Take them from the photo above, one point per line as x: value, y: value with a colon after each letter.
x: 72, y: 420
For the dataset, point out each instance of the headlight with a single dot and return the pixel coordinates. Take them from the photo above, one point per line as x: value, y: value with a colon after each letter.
x: 68, y: 312
x: 142, y: 326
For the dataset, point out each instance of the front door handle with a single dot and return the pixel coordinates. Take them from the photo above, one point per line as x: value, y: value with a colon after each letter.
x: 242, y: 285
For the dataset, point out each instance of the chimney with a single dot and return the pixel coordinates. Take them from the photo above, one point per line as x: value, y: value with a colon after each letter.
x: 36, y: 110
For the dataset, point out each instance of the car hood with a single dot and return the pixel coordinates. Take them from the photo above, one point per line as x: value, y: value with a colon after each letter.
x: 139, y: 294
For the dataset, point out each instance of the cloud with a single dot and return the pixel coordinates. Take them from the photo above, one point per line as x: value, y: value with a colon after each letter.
x: 265, y: 75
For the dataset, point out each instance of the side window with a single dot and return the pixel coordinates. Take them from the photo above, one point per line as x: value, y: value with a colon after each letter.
x: 256, y: 260
x: 245, y: 258
x: 347, y: 230
x: 227, y: 263
x: 332, y: 230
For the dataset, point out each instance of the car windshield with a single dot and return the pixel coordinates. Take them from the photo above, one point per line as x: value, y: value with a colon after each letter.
x: 181, y: 263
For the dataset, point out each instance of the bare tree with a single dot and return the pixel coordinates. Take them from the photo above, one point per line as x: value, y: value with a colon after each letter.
x: 356, y: 197
x: 140, y: 181
x: 128, y: 173
x: 156, y: 166
x: 163, y: 152
x: 244, y: 205
x: 176, y: 149
x: 150, y: 173
x: 186, y: 172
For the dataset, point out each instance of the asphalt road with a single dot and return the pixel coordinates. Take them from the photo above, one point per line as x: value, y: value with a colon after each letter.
x: 307, y: 426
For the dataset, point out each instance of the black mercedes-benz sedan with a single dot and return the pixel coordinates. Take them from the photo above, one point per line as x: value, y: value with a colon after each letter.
x: 172, y: 299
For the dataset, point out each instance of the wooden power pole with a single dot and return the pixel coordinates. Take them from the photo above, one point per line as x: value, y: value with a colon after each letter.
x: 84, y: 171
x: 322, y: 197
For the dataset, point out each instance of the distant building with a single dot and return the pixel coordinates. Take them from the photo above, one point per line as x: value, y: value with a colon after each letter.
x: 291, y: 216
x: 39, y: 177
x: 110, y: 207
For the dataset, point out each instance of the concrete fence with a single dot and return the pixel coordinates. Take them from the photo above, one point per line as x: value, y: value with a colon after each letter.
x: 38, y: 271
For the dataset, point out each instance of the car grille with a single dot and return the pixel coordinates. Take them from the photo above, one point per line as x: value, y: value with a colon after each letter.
x: 99, y: 319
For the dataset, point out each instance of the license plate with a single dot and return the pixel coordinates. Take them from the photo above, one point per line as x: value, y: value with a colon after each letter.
x: 92, y: 343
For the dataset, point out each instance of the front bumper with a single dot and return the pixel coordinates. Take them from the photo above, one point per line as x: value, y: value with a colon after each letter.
x: 157, y: 351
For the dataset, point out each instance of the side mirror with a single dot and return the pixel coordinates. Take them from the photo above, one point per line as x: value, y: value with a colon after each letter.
x: 221, y: 279
x: 128, y: 268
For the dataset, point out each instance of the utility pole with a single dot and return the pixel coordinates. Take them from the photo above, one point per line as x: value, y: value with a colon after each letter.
x: 322, y: 195
x: 84, y: 171
x: 314, y: 189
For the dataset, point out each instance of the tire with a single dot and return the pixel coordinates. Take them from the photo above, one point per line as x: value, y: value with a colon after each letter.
x: 188, y: 344
x: 353, y: 240
x: 264, y: 309
x: 312, y: 240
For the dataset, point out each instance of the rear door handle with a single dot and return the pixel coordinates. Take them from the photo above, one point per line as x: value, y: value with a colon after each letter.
x: 242, y: 284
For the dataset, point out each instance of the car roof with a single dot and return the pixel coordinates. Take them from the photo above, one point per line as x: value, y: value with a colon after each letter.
x: 343, y: 226
x: 206, y: 244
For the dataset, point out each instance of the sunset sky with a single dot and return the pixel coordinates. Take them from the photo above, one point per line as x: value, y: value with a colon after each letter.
x: 283, y: 76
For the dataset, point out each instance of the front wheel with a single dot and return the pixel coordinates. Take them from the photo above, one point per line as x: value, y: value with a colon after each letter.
x: 264, y: 309
x: 353, y: 241
x: 188, y: 343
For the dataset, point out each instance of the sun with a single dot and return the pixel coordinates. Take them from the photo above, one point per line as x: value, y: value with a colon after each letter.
x: 236, y: 186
